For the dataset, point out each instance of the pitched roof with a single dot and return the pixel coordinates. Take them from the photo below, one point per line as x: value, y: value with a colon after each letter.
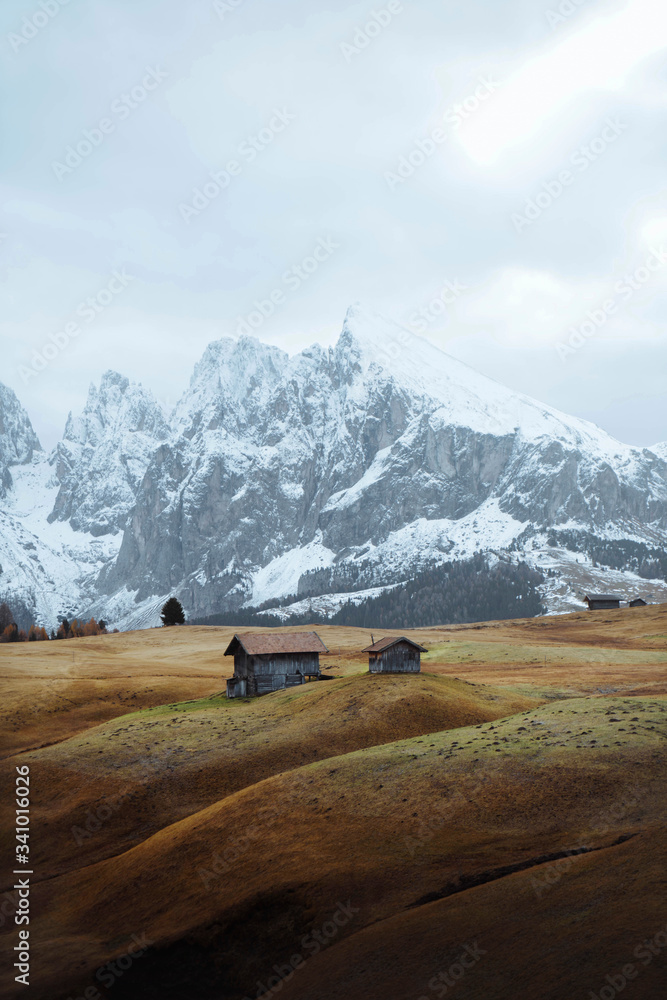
x: 391, y: 640
x: 601, y: 597
x: 256, y: 643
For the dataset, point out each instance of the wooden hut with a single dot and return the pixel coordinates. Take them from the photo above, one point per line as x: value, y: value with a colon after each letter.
x: 603, y: 602
x: 269, y: 661
x: 638, y: 602
x: 394, y: 655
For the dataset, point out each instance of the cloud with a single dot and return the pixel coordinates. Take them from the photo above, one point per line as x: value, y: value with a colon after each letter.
x: 561, y: 82
x: 324, y: 176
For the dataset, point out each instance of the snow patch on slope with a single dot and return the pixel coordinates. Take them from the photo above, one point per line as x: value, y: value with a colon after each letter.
x: 468, y: 398
x: 425, y: 542
x: 327, y: 604
x: 49, y: 567
x: 280, y: 577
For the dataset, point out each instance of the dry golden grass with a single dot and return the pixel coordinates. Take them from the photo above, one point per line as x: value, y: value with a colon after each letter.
x: 366, y: 827
x: 499, y: 768
x: 540, y: 941
x: 53, y: 690
x: 160, y: 765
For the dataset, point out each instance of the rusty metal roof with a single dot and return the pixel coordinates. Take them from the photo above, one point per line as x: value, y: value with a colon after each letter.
x: 256, y: 643
x: 391, y: 640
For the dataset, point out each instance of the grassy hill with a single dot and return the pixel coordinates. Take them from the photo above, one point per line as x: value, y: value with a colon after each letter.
x: 159, y: 765
x: 505, y: 798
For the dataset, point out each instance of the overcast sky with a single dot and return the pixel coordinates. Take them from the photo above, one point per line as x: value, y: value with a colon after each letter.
x: 510, y: 153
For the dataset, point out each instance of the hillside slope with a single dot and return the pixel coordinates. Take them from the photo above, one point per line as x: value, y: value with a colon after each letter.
x: 147, y: 770
x: 389, y: 829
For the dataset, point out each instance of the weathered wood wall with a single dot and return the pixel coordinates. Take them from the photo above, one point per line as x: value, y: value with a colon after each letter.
x: 271, y: 672
x: 399, y: 659
x: 284, y: 663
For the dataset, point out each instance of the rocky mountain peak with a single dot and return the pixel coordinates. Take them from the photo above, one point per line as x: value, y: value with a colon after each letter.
x: 104, y: 453
x: 18, y: 441
x: 361, y: 463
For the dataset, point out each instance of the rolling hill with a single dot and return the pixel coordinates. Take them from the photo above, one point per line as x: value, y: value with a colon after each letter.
x: 371, y: 826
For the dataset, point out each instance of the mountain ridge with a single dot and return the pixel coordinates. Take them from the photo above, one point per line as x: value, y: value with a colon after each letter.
x: 378, y: 456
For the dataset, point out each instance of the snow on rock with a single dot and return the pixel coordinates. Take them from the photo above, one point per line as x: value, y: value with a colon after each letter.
x: 468, y: 398
x: 47, y: 568
x: 326, y: 604
x: 279, y: 475
x: 103, y: 455
x: 18, y: 441
x: 280, y: 578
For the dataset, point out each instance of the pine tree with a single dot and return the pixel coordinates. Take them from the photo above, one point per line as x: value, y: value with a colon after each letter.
x: 172, y: 612
x: 6, y: 617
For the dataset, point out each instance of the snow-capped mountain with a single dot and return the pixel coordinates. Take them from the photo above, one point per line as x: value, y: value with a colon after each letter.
x: 102, y: 458
x: 18, y: 441
x: 339, y: 469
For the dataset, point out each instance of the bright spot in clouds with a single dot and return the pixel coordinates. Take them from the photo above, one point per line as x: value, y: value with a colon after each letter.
x: 595, y: 59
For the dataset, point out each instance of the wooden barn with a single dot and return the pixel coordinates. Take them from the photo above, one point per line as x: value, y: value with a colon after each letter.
x: 269, y: 661
x: 638, y: 602
x: 603, y: 602
x: 394, y: 655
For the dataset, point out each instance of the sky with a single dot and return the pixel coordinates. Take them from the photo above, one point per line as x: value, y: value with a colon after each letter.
x: 489, y: 174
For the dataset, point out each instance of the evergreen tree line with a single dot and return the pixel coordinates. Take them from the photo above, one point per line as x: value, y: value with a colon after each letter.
x: 635, y: 557
x: 10, y: 631
x: 450, y: 594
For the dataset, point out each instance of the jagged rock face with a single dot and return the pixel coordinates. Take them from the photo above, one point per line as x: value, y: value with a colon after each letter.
x: 104, y: 453
x: 344, y: 447
x: 361, y: 464
x: 18, y: 441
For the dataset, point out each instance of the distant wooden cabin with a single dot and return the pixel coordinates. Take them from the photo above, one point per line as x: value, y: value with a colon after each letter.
x: 395, y: 655
x: 603, y: 602
x: 638, y: 602
x: 269, y: 661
